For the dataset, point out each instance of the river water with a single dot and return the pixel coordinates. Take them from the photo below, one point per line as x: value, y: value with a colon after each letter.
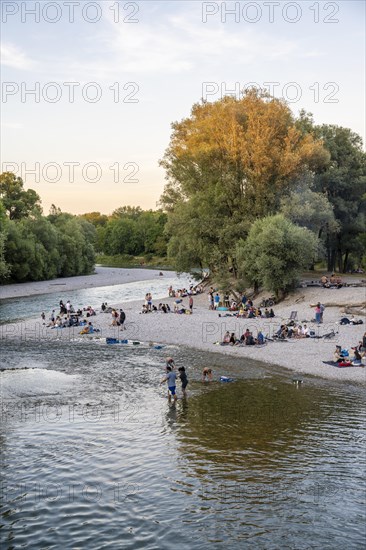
x: 94, y: 456
x: 17, y: 309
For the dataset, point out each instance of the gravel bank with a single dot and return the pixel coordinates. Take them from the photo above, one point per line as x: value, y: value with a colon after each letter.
x: 202, y: 329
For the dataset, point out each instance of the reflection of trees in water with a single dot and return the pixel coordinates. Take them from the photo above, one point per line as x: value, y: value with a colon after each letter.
x: 257, y: 422
x: 263, y: 455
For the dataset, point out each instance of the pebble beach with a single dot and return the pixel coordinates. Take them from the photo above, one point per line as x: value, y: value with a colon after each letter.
x: 204, y: 329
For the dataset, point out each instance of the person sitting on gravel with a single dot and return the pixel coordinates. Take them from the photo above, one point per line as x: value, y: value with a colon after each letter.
x: 356, y: 358
x: 244, y: 336
x: 340, y: 354
x: 282, y: 332
x: 89, y: 329
x: 298, y: 332
x: 226, y: 339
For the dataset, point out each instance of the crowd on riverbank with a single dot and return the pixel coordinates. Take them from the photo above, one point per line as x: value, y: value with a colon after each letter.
x: 206, y: 327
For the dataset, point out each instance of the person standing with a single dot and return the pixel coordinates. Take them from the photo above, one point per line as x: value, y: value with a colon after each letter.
x: 191, y: 304
x: 322, y: 308
x: 183, y: 379
x: 170, y: 379
x: 317, y: 313
x: 217, y: 300
x: 122, y: 319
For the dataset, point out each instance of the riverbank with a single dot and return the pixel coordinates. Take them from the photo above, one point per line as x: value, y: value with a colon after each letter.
x: 102, y: 276
x: 204, y: 328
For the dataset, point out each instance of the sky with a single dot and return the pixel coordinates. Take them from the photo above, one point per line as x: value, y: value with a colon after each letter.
x: 90, y: 89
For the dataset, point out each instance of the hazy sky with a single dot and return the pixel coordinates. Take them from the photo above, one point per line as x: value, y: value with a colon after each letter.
x: 108, y: 78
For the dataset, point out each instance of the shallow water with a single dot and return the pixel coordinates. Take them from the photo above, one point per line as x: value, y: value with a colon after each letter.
x: 93, y: 455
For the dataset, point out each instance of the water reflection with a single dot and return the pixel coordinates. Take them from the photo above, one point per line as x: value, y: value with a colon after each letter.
x: 107, y: 461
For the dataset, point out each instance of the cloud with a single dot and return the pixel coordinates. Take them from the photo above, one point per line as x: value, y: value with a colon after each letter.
x: 167, y: 45
x: 12, y: 125
x: 11, y: 56
x: 180, y: 43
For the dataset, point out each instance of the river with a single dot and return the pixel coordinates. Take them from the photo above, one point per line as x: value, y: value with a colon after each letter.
x: 94, y: 456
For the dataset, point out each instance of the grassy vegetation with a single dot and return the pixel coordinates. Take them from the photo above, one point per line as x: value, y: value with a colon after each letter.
x: 125, y: 260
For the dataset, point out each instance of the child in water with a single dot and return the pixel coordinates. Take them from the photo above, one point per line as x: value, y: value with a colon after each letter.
x: 170, y: 379
x: 207, y: 375
x: 170, y: 362
x: 184, y: 380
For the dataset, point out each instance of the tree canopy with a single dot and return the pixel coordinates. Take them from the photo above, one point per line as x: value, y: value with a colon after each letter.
x: 234, y: 161
x: 227, y: 165
x: 275, y: 253
x: 18, y: 202
x: 34, y: 247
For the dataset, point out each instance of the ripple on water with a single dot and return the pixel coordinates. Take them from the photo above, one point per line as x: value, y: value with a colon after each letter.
x: 106, y: 462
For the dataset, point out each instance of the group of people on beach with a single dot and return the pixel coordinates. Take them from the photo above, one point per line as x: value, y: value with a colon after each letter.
x: 183, y: 292
x: 332, y: 281
x: 246, y: 339
x: 354, y: 357
x: 118, y: 318
x: 293, y: 330
x: 244, y: 308
x: 178, y: 307
x: 68, y: 317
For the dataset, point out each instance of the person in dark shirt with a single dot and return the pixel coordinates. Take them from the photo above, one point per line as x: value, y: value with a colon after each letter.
x: 183, y: 379
x: 122, y: 319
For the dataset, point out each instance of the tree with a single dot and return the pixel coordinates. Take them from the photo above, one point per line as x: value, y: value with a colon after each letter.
x: 17, y: 202
x: 4, y: 267
x: 275, y: 253
x: 228, y: 164
x: 307, y: 208
x: 96, y: 218
x: 344, y: 184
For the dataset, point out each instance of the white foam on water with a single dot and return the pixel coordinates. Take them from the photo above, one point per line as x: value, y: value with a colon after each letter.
x: 34, y: 382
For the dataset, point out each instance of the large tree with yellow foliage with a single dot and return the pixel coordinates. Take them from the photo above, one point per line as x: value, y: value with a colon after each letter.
x: 228, y: 164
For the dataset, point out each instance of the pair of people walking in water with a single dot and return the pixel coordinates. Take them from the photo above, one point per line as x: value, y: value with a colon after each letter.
x: 171, y: 379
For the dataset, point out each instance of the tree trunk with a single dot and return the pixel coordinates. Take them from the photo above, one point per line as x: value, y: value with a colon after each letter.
x: 345, y: 262
x: 340, y: 260
x: 332, y: 258
x: 340, y: 266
